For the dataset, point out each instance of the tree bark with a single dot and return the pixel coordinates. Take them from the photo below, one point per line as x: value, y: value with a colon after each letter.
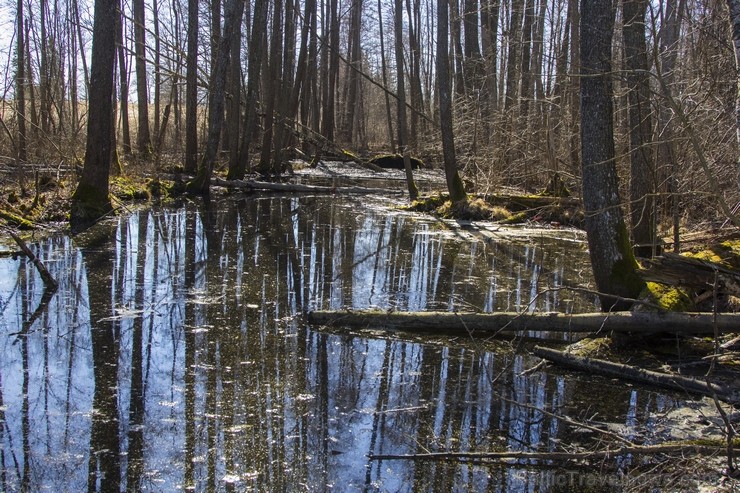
x: 642, y: 181
x: 612, y: 260
x: 123, y: 77
x: 256, y: 53
x: 191, y: 90
x: 20, y: 85
x: 143, y: 137
x: 514, y: 322
x: 401, y: 106
x: 232, y: 14
x: 391, y: 137
x: 271, y: 92
x: 734, y: 6
x: 91, y: 200
x: 455, y: 184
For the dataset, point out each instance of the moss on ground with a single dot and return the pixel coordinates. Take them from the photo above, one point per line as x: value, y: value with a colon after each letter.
x: 668, y: 298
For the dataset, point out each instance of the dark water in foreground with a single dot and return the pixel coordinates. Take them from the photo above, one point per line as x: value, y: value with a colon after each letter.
x: 174, y: 355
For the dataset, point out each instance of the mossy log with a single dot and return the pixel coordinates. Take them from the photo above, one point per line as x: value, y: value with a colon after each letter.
x: 516, y: 203
x: 16, y: 220
x: 252, y: 185
x: 511, y: 322
x: 641, y: 375
x: 679, y: 270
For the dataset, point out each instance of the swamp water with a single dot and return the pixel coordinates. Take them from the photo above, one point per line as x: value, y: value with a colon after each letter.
x: 174, y: 355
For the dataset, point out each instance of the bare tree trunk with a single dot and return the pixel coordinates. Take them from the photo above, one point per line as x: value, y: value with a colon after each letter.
x: 123, y: 77
x: 734, y: 6
x: 391, y: 137
x: 512, y: 65
x: 232, y: 15
x: 271, y: 93
x: 256, y: 54
x: 666, y: 165
x: 457, y: 47
x: 143, y: 137
x: 346, y: 133
x: 234, y: 101
x: 20, y: 85
x: 401, y: 94
x: 575, y: 85
x: 454, y: 183
x: 642, y: 180
x: 191, y: 90
x: 90, y: 200
x: 612, y: 260
x: 157, y: 70
x: 328, y: 116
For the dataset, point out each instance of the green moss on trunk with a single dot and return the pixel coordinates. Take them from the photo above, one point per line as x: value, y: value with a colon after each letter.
x: 624, y: 272
x: 89, y: 204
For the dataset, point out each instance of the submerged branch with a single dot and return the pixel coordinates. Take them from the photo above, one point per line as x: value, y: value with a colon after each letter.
x: 46, y: 276
x: 641, y: 375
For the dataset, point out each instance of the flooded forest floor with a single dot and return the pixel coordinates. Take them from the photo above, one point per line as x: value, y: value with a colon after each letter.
x: 37, y: 205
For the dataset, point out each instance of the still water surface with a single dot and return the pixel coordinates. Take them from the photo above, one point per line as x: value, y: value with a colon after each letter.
x: 174, y: 355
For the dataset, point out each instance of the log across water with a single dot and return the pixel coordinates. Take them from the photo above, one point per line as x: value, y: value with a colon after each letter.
x: 507, y: 322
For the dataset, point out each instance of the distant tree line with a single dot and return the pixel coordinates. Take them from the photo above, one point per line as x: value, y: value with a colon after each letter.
x: 250, y: 84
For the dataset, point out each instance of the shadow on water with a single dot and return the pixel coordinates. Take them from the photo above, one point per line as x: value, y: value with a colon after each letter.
x: 174, y: 355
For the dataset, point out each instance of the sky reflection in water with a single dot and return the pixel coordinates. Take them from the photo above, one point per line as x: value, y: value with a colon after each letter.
x: 174, y: 356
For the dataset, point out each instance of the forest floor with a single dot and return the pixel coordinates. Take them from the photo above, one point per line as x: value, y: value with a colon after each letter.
x: 39, y: 202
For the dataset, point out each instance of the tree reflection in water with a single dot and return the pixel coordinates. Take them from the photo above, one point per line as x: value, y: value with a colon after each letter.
x: 174, y: 355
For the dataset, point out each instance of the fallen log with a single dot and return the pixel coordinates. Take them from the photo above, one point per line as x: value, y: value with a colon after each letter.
x: 641, y: 375
x: 667, y: 448
x: 511, y: 322
x: 679, y: 270
x: 252, y: 185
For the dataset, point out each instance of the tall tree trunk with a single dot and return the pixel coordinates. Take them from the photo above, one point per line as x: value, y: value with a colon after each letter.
x: 471, y: 45
x: 143, y: 137
x: 415, y: 90
x: 454, y: 183
x: 90, y: 200
x: 384, y: 66
x: 157, y: 70
x: 44, y: 69
x: 353, y: 79
x: 612, y: 260
x: 271, y: 93
x: 20, y: 85
x: 490, y: 20
x: 232, y: 15
x: 302, y: 83
x: 254, y: 69
x: 512, y: 64
x: 642, y: 181
x: 457, y: 47
x: 734, y: 6
x: 234, y: 101
x: 191, y: 90
x: 328, y: 116
x: 401, y: 94
x: 666, y: 165
x: 285, y: 113
x: 123, y: 77
x: 575, y: 85
x: 526, y: 90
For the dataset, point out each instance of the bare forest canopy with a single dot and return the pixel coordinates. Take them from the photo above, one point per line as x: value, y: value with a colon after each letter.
x: 248, y: 85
